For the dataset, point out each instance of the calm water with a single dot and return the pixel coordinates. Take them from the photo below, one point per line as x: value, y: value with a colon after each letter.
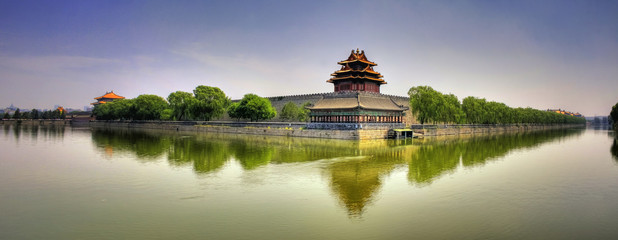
x: 72, y: 183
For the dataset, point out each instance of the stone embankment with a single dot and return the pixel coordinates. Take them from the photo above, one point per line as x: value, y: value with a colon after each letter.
x: 36, y: 121
x: 299, y: 129
x: 293, y: 129
x: 473, y: 129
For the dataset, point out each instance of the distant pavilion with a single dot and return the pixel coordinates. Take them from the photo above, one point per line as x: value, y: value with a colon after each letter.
x: 357, y: 97
x: 108, y: 97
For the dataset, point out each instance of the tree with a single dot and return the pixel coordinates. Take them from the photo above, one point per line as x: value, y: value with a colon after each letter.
x: 253, y: 107
x: 303, y: 112
x: 613, y: 115
x: 17, y: 114
x: 6, y: 115
x: 211, y: 103
x: 148, y: 107
x: 452, y: 109
x: 180, y: 104
x: 475, y: 109
x: 34, y: 114
x: 25, y: 115
x: 423, y: 103
x: 234, y: 111
x: 289, y: 112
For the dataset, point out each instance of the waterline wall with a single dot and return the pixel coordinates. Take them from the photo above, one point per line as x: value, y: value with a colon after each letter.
x: 299, y: 129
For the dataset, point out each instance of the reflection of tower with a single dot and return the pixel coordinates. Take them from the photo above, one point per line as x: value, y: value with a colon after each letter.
x: 354, y: 183
x: 357, y: 181
x: 109, y: 151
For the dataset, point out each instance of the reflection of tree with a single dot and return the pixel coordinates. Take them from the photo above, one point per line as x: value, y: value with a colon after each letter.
x: 434, y: 160
x: 355, y: 169
x: 206, y: 156
x: 145, y: 146
x: 251, y: 154
x: 34, y: 131
x: 16, y: 132
x: 7, y: 128
x: 431, y: 161
x: 614, y: 149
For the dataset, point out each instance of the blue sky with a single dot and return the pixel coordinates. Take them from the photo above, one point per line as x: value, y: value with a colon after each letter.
x: 541, y: 54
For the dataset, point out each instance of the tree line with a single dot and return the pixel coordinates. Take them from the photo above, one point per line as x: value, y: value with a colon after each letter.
x: 613, y: 117
x: 203, y: 104
x: 35, y: 114
x: 431, y: 106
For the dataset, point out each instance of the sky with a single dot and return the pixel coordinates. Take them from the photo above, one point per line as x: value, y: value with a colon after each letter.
x: 539, y: 54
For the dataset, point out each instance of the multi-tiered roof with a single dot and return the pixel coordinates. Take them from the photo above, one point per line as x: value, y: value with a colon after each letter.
x: 108, y: 97
x: 357, y: 98
x: 357, y: 74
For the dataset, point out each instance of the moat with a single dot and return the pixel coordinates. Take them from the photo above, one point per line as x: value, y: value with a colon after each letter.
x: 60, y: 182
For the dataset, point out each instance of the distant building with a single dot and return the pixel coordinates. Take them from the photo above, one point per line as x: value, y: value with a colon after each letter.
x: 564, y: 112
x: 11, y: 109
x: 108, y: 97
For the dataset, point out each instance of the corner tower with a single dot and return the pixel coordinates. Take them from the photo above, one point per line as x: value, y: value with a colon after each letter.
x: 357, y: 74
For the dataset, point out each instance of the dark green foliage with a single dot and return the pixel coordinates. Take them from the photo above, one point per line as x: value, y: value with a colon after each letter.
x: 234, y: 111
x: 613, y: 116
x: 211, y: 103
x: 180, y: 104
x: 35, y: 114
x: 252, y: 107
x: 25, y: 115
x: 289, y: 112
x: 148, y: 107
x: 6, y: 115
x: 303, y: 112
x: 17, y: 114
x: 204, y: 104
x: 431, y: 106
x: 118, y: 109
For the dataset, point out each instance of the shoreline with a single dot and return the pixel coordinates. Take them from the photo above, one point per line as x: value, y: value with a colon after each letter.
x: 299, y: 129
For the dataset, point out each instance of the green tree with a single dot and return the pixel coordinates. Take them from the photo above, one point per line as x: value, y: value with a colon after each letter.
x: 234, y: 111
x: 303, y: 112
x: 148, y: 107
x: 452, y: 108
x: 122, y: 108
x: 25, y: 115
x: 16, y: 114
x: 6, y: 115
x: 35, y: 114
x: 255, y: 108
x: 180, y: 104
x: 475, y: 109
x: 424, y: 103
x: 289, y: 112
x: 56, y: 114
x: 211, y: 103
x: 613, y: 115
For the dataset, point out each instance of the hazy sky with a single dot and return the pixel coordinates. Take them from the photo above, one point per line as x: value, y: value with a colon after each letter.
x: 541, y: 54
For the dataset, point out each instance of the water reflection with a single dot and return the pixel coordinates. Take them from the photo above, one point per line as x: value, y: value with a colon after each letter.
x: 355, y: 170
x: 33, y: 132
x: 614, y: 148
x: 435, y: 160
